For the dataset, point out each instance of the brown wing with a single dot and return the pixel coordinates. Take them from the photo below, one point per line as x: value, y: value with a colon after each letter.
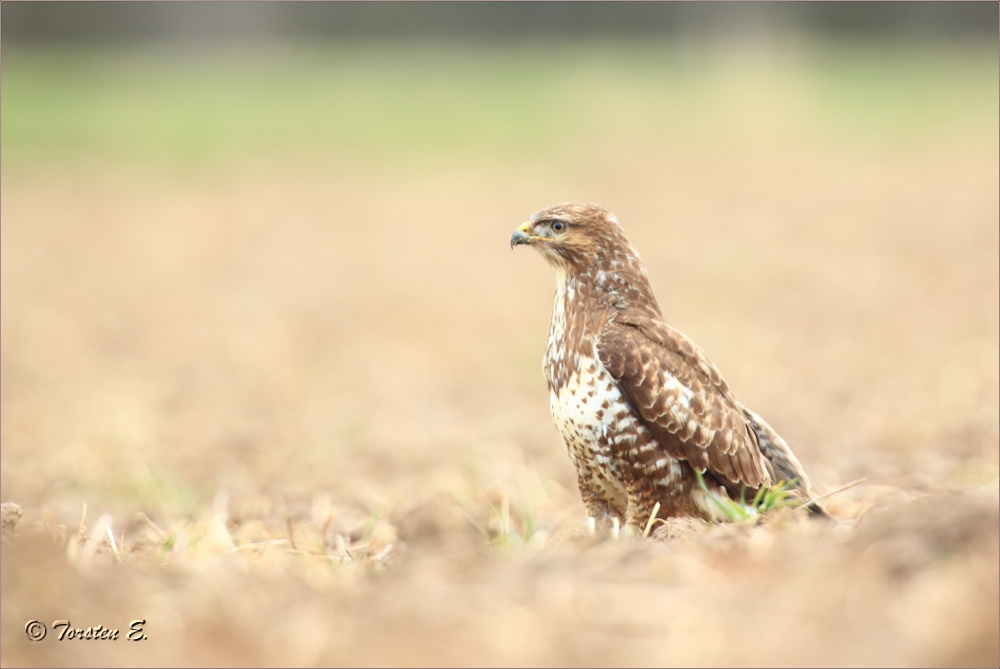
x: 682, y: 399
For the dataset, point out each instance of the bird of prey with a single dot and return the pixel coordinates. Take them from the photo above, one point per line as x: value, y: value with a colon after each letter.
x: 645, y: 415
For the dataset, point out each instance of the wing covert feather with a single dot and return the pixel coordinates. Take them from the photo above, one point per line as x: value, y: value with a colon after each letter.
x: 682, y: 399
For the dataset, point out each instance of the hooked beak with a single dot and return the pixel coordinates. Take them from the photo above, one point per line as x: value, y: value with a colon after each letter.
x: 521, y: 236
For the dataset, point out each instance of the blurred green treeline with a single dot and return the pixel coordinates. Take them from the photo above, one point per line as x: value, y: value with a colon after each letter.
x: 190, y: 81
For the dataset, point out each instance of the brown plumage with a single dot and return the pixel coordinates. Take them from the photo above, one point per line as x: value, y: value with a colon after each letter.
x: 639, y: 406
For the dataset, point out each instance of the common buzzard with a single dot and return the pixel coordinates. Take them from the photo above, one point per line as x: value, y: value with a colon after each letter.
x: 646, y: 417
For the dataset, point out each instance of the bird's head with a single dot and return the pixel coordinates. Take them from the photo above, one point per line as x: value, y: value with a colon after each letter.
x: 584, y: 242
x: 572, y: 236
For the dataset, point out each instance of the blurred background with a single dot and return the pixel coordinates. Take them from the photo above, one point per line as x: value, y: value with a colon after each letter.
x: 256, y: 285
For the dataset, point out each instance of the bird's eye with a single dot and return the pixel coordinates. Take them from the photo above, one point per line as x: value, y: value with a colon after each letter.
x: 558, y: 226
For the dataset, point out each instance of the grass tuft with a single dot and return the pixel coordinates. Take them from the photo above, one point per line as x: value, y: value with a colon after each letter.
x: 767, y: 499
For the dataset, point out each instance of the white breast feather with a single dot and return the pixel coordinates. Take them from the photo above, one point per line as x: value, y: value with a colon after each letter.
x: 584, y: 424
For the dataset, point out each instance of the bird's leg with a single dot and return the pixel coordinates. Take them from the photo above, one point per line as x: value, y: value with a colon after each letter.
x: 601, y: 520
x: 599, y: 511
x: 645, y: 505
x: 635, y: 516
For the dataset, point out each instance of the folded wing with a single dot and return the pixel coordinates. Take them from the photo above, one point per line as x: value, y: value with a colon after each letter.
x: 683, y: 401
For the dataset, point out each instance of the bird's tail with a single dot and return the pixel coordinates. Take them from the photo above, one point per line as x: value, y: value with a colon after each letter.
x: 783, y: 463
